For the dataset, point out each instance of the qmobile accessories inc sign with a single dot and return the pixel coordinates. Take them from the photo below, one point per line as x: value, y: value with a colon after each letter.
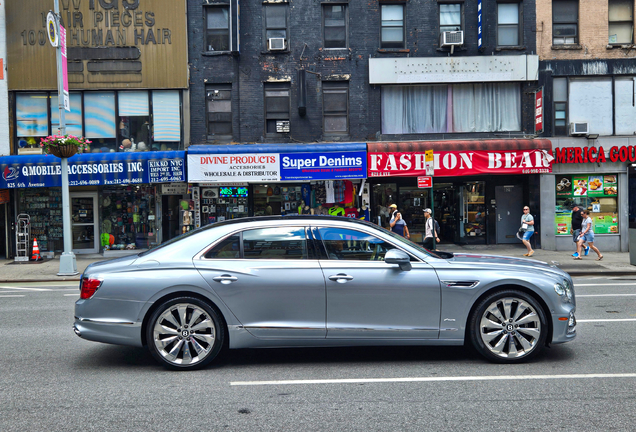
x: 460, y: 163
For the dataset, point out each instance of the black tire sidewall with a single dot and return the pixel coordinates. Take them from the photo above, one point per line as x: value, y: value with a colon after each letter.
x: 214, y: 316
x: 474, y: 326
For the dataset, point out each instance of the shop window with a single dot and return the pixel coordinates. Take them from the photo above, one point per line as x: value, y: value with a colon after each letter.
x: 335, y: 19
x: 392, y: 29
x: 166, y: 125
x: 277, y: 108
x: 412, y: 203
x: 474, y: 211
x: 279, y: 200
x: 590, y: 101
x: 276, y: 27
x: 489, y: 107
x: 227, y: 248
x: 44, y: 206
x: 219, y: 111
x: 621, y: 21
x: 560, y: 106
x: 218, y: 28
x: 134, y: 121
x: 508, y: 29
x: 99, y: 120
x: 275, y: 243
x: 72, y: 120
x: 383, y: 196
x: 335, y: 107
x: 350, y: 245
x: 31, y: 118
x: 565, y: 22
x: 596, y: 192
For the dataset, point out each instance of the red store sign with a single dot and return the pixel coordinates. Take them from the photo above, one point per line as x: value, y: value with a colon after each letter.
x: 460, y: 163
x: 593, y: 154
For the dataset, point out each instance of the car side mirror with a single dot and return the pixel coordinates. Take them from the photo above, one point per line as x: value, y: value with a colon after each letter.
x: 397, y: 256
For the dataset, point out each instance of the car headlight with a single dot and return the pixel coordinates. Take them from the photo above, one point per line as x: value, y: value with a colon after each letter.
x: 564, y: 290
x: 559, y: 289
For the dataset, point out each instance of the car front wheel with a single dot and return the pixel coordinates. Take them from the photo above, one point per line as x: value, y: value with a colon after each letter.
x: 184, y: 333
x: 508, y: 326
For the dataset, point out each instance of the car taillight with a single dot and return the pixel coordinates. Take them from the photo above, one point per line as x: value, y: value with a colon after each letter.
x: 89, y: 286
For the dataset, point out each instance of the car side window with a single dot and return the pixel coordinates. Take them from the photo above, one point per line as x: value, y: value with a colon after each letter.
x: 275, y: 243
x: 229, y: 247
x: 352, y: 245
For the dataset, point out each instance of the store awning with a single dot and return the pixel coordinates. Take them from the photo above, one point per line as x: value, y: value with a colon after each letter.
x: 276, y: 148
x: 276, y: 162
x: 93, y: 169
x: 461, y: 157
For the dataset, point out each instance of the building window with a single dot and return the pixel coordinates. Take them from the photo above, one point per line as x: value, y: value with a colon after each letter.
x: 560, y: 103
x: 392, y: 32
x: 621, y: 21
x: 450, y: 17
x: 217, y: 36
x: 508, y: 29
x: 277, y: 108
x: 276, y: 31
x: 565, y: 22
x: 335, y: 25
x: 219, y: 111
x: 335, y: 106
x: 31, y: 117
x: 488, y: 107
x: 134, y: 119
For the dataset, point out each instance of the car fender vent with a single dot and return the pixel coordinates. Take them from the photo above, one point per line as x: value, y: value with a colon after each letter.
x: 460, y: 284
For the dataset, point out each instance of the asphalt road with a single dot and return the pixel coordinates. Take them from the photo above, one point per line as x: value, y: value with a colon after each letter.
x: 50, y: 380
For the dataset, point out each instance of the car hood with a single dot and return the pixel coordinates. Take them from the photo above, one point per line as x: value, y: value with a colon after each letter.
x: 500, y: 261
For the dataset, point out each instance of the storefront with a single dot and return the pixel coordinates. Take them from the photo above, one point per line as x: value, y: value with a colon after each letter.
x: 478, y: 190
x: 115, y: 199
x: 256, y: 180
x: 595, y: 177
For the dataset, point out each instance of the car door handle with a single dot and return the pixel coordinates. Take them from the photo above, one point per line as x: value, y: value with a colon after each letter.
x: 225, y: 279
x: 341, y: 278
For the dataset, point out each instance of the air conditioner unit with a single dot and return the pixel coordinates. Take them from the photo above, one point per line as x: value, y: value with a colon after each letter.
x: 579, y: 128
x: 276, y: 44
x: 452, y: 38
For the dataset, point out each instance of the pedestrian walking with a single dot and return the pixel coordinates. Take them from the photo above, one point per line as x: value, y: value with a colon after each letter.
x: 527, y: 226
x: 587, y: 235
x: 398, y: 224
x: 430, y: 235
x: 576, y: 229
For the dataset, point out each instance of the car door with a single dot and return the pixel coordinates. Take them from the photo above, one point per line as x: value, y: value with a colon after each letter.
x: 271, y: 280
x: 370, y: 299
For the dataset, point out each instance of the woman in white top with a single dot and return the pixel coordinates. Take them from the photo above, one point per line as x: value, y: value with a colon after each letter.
x: 587, y: 235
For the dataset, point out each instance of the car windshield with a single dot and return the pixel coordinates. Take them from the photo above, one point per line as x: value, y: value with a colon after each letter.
x: 412, y: 244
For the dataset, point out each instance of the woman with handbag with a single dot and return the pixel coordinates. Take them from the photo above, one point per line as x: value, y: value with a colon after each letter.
x: 527, y: 226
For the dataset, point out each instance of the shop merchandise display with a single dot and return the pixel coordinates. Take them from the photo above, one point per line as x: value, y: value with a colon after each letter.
x: 45, y: 209
x: 128, y: 217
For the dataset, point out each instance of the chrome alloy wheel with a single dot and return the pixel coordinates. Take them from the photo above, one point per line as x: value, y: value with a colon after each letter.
x: 510, y: 328
x: 184, y: 334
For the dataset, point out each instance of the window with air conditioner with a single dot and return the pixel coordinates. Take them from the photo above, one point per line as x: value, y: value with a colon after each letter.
x: 590, y: 101
x: 277, y: 109
x: 565, y: 22
x: 621, y: 22
x: 334, y: 23
x: 392, y: 29
x: 335, y: 107
x: 508, y: 28
x: 219, y: 111
x: 276, y: 27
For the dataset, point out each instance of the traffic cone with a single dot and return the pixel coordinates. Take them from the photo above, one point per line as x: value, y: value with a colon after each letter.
x: 36, y: 251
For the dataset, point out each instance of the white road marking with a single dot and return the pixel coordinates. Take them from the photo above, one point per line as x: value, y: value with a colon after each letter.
x: 11, y: 295
x: 576, y: 285
x: 604, y: 295
x: 432, y: 379
x: 74, y: 295
x: 25, y: 289
x: 605, y: 320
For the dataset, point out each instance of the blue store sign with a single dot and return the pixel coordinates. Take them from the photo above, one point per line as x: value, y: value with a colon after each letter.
x: 93, y: 169
x: 323, y: 165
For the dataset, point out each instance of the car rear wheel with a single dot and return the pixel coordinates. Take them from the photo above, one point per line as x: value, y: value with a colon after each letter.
x: 185, y: 333
x: 508, y: 326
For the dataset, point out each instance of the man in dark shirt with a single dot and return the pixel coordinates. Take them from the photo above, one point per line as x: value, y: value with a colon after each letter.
x: 577, y: 219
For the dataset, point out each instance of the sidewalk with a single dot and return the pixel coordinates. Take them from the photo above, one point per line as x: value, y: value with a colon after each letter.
x: 613, y: 264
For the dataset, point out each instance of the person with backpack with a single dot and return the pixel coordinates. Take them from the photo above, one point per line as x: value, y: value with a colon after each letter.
x: 431, y: 235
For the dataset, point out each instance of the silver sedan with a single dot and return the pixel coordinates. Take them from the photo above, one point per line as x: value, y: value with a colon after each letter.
x: 319, y: 281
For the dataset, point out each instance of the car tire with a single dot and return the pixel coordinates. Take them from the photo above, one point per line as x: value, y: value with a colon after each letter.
x: 508, y: 326
x: 172, y: 340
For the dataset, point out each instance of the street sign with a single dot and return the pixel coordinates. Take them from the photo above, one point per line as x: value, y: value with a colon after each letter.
x: 538, y: 111
x: 51, y: 29
x: 425, y: 182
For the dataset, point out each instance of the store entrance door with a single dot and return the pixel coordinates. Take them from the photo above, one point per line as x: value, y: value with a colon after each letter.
x: 84, y: 220
x: 509, y: 210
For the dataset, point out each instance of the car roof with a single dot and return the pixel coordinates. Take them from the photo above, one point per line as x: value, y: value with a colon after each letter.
x: 296, y: 217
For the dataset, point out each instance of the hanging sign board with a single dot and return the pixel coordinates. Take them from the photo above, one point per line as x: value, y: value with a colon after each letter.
x: 425, y: 182
x: 538, y: 111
